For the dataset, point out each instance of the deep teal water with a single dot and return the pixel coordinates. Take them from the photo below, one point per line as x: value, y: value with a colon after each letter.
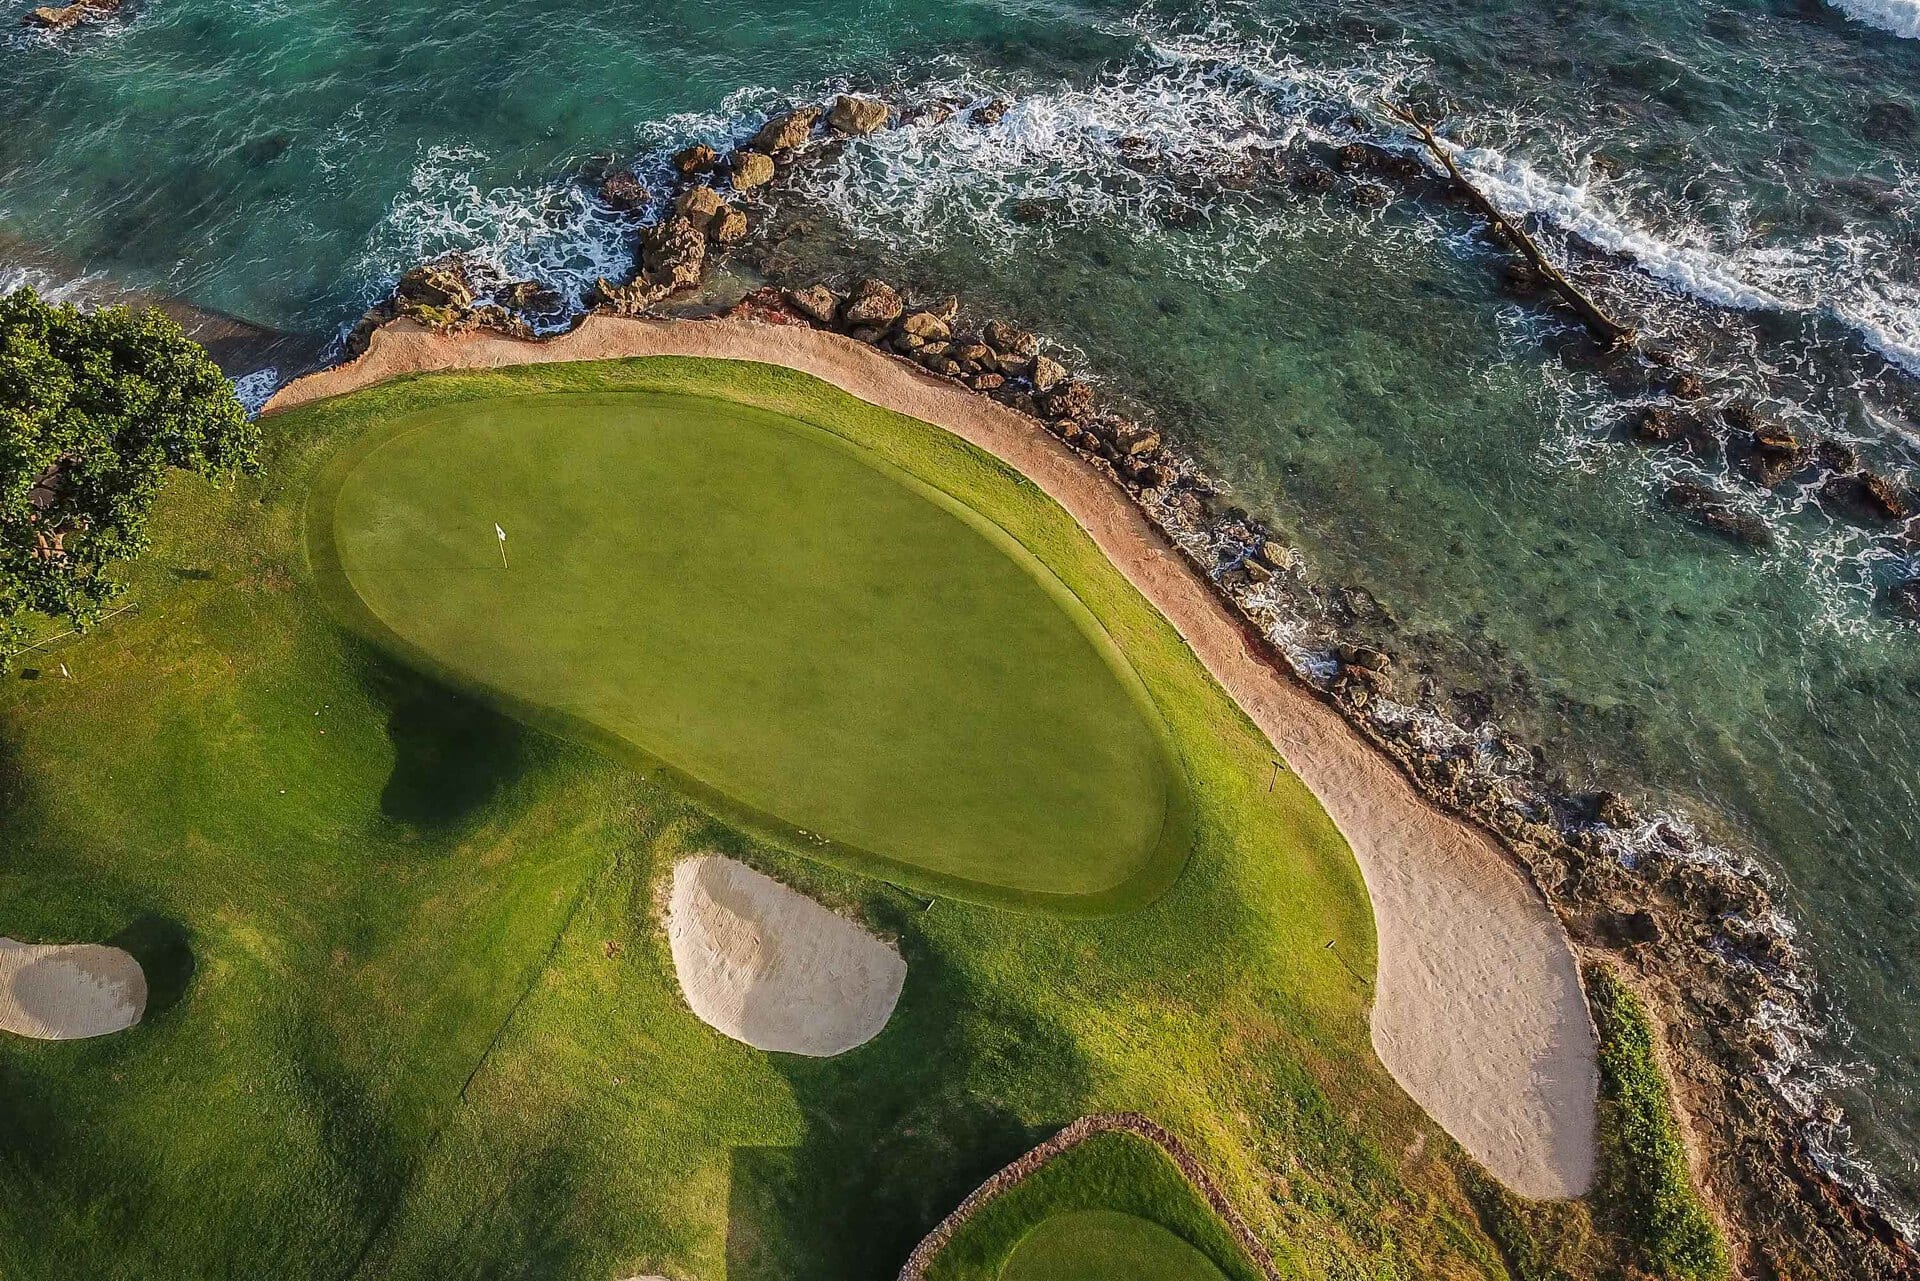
x: 1356, y: 375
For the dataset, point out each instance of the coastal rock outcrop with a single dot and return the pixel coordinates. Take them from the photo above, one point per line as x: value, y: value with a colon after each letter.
x: 788, y: 132
x: 63, y: 17
x: 751, y: 169
x: 857, y: 116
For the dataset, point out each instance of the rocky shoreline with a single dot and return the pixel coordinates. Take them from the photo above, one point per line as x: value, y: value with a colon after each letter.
x: 1697, y: 930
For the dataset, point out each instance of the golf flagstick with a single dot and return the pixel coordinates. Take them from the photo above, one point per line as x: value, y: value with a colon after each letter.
x: 503, y: 543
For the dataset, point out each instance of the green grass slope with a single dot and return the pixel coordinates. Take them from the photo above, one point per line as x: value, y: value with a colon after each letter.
x: 414, y: 1015
x: 812, y: 637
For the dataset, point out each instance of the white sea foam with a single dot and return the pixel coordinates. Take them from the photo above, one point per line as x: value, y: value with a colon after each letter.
x: 1901, y: 17
x: 552, y: 229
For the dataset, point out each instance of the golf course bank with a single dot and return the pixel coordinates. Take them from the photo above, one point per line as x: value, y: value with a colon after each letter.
x: 395, y: 794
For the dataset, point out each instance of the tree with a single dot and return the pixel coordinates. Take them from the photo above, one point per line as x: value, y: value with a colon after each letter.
x: 95, y: 408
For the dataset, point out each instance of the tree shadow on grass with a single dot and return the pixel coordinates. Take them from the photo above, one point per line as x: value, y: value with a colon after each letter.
x: 164, y: 948
x: 899, y: 1130
x: 451, y: 753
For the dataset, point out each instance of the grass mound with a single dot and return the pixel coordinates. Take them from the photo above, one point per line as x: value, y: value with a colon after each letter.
x: 1105, y: 1245
x: 1114, y: 1206
x: 814, y: 638
x: 1647, y: 1181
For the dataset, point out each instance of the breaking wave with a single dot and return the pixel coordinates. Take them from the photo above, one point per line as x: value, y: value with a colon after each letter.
x: 1901, y: 17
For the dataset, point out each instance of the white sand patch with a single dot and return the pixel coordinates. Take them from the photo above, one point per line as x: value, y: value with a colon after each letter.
x: 67, y: 991
x: 1478, y: 1010
x: 769, y: 966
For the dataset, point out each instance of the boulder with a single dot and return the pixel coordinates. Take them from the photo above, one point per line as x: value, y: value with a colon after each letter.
x: 436, y: 284
x: 698, y: 205
x: 699, y: 158
x: 1133, y: 440
x: 674, y: 253
x: 751, y: 169
x: 626, y: 300
x: 872, y: 302
x: 926, y: 326
x: 1867, y: 494
x: 1046, y: 373
x: 991, y: 113
x: 816, y: 302
x: 533, y: 296
x: 623, y: 191
x: 855, y: 115
x: 1070, y: 399
x: 1905, y: 597
x: 1777, y: 454
x: 1009, y: 341
x: 987, y: 382
x: 787, y: 132
x: 729, y: 227
x: 1720, y: 517
x: 61, y: 17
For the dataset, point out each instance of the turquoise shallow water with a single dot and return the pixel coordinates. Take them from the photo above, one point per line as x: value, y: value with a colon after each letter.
x: 1753, y: 168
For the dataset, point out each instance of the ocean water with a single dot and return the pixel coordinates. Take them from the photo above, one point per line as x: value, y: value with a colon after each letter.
x: 1748, y: 173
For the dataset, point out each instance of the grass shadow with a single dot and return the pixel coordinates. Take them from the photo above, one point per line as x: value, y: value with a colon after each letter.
x: 164, y: 948
x: 452, y: 754
x: 899, y: 1131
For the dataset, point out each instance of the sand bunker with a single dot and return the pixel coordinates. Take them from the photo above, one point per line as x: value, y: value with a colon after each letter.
x: 1478, y: 1012
x: 771, y: 967
x: 68, y: 991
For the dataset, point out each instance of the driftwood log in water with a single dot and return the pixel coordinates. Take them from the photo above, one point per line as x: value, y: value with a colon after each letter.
x: 1608, y: 331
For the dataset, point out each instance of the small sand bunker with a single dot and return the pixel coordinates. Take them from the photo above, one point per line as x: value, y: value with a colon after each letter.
x: 68, y: 991
x: 769, y: 966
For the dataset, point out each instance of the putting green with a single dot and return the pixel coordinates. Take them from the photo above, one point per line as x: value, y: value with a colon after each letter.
x: 809, y: 636
x: 1105, y: 1245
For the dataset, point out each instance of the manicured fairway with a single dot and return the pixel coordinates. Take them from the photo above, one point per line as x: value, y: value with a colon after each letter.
x: 807, y: 632
x: 1105, y: 1245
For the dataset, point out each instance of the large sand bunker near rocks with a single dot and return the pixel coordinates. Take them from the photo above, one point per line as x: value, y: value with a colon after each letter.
x: 69, y: 991
x: 1478, y: 1011
x: 769, y: 966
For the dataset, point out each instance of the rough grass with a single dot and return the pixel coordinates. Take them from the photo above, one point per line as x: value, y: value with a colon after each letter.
x: 820, y: 642
x: 422, y: 1022
x: 1646, y: 1179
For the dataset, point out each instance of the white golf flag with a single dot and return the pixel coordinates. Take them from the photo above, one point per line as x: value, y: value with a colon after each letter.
x: 500, y: 531
x: 502, y: 534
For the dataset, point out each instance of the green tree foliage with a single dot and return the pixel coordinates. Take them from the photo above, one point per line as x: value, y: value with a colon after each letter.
x: 95, y: 408
x: 1646, y: 1180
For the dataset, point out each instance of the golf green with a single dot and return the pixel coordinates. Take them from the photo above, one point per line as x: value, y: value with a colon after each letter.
x: 1105, y: 1245
x: 817, y: 641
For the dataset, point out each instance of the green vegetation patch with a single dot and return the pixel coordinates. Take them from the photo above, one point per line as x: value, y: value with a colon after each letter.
x: 807, y: 634
x: 1646, y: 1180
x: 1114, y: 1207
x: 1104, y: 1245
